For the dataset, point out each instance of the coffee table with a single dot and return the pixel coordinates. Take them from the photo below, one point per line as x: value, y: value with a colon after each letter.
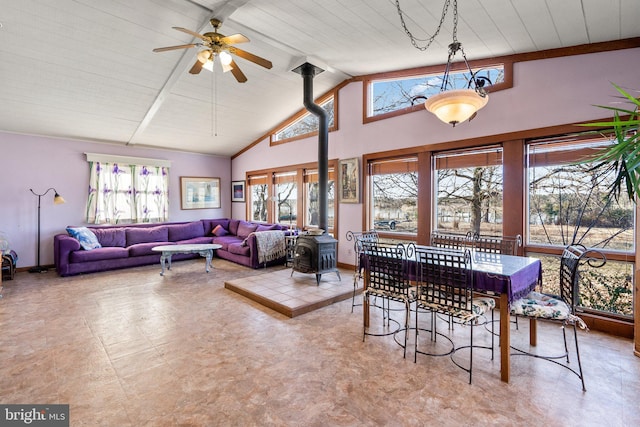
x: 204, y: 250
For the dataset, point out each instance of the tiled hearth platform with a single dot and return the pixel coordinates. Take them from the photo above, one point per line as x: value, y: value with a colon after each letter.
x: 293, y: 295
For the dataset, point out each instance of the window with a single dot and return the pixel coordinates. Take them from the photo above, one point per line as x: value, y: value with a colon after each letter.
x: 123, y: 193
x: 469, y: 191
x: 258, y: 194
x: 393, y: 94
x: 306, y: 123
x: 289, y: 196
x: 567, y: 204
x: 286, y: 201
x: 394, y: 195
x: 567, y: 201
x: 311, y: 198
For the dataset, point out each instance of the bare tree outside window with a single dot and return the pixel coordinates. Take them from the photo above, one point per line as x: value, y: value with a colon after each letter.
x: 313, y: 218
x: 258, y: 194
x: 469, y: 191
x: 286, y: 203
x: 395, y: 94
x: 470, y: 199
x: 307, y: 123
x: 395, y: 202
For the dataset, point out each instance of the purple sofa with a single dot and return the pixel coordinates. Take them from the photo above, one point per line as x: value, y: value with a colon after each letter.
x: 130, y: 245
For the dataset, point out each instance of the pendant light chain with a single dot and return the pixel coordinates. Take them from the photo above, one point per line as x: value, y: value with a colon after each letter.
x: 451, y: 105
x: 445, y: 9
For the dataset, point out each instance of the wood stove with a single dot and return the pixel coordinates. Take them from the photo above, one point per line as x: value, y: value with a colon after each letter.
x: 315, y: 254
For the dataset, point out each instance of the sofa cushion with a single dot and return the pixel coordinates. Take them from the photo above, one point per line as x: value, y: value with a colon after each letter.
x: 99, y: 254
x: 233, y: 226
x: 265, y: 227
x: 210, y: 224
x: 147, y: 234
x: 185, y: 231
x: 239, y: 249
x: 225, y: 241
x: 87, y: 239
x: 111, y: 237
x: 219, y: 231
x: 195, y: 241
x: 245, y: 228
x: 139, y: 249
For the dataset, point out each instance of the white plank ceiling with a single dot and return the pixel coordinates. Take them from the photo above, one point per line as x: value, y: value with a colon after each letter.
x: 84, y: 69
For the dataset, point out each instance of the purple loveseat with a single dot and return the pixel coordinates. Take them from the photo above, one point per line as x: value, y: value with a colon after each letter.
x: 130, y: 245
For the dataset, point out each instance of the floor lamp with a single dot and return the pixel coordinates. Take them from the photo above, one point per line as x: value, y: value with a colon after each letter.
x: 57, y: 200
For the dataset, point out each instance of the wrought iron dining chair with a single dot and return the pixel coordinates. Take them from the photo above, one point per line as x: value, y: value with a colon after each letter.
x: 445, y: 286
x: 497, y: 244
x: 359, y: 238
x: 561, y: 308
x: 455, y: 241
x: 387, y: 275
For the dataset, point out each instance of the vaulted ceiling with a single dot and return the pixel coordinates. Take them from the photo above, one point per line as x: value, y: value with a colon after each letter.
x: 84, y: 69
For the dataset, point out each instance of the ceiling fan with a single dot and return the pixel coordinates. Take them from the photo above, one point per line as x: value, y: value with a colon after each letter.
x: 221, y: 46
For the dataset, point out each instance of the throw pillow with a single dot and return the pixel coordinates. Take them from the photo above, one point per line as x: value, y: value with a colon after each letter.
x: 246, y: 228
x: 219, y: 231
x: 87, y: 239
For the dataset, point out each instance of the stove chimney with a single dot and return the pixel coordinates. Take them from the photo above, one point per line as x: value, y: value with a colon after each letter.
x: 308, y: 72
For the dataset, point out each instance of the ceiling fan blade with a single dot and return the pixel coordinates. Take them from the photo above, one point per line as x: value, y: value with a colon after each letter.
x: 182, y: 46
x: 234, y: 39
x: 197, y: 67
x: 193, y: 33
x: 237, y: 73
x: 251, y: 57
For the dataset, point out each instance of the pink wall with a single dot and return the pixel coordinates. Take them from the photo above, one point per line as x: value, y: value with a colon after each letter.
x: 546, y: 92
x: 39, y: 163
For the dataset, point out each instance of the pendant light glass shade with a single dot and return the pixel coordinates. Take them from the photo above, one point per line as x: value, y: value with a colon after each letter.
x: 455, y: 106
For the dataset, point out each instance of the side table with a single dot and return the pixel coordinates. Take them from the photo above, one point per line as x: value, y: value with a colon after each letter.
x: 290, y: 244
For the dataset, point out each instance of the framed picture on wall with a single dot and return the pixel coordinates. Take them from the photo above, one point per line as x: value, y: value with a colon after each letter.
x: 237, y: 191
x: 199, y: 192
x: 349, y: 181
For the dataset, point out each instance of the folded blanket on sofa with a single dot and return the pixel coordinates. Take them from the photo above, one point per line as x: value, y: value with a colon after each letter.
x: 270, y: 245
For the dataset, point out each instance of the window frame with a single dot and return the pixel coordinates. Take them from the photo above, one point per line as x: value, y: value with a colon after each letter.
x: 298, y: 171
x: 302, y: 114
x: 369, y: 79
x: 484, y: 156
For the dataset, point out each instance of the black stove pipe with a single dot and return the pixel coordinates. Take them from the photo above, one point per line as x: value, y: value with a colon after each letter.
x: 308, y: 72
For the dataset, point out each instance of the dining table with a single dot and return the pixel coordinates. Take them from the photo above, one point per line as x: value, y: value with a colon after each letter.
x: 507, y: 277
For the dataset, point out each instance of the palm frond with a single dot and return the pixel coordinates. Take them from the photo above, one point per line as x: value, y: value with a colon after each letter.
x: 624, y: 155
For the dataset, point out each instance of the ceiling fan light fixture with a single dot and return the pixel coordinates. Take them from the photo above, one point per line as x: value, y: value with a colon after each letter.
x: 225, y: 58
x: 455, y: 106
x: 208, y: 65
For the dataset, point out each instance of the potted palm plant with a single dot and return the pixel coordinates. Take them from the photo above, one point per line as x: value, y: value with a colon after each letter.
x: 624, y: 155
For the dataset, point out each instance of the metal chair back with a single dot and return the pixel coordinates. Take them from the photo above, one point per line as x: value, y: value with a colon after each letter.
x: 451, y: 240
x: 497, y: 244
x: 572, y: 258
x: 387, y: 268
x: 445, y: 279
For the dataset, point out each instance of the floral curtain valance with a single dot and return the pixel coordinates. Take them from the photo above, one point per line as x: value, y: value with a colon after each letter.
x: 123, y: 193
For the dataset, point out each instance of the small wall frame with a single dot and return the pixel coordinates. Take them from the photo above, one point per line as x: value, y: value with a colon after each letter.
x: 349, y: 188
x: 238, y: 189
x: 199, y: 193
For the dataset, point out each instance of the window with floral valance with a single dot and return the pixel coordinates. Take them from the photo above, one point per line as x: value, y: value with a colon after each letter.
x: 127, y: 190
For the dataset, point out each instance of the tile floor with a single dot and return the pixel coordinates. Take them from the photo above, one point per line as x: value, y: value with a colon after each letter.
x: 132, y: 348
